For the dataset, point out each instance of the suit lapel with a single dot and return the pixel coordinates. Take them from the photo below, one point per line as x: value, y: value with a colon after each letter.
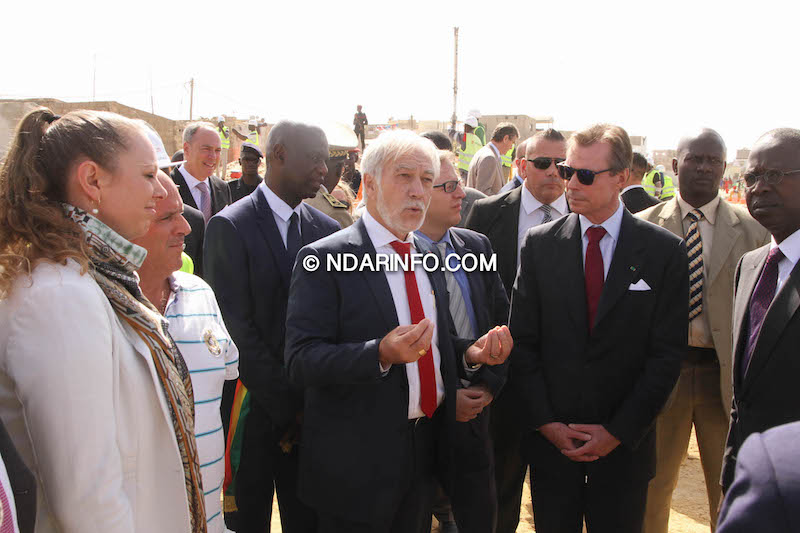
x: 748, y: 277
x: 782, y: 309
x: 670, y: 218
x: 625, y: 265
x: 477, y: 289
x: 183, y: 188
x: 269, y: 230
x: 568, y: 254
x: 726, y: 233
x: 508, y: 227
x: 309, y: 228
x: 376, y: 281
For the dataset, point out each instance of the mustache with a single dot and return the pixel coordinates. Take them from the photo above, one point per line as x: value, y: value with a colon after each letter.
x: 414, y: 204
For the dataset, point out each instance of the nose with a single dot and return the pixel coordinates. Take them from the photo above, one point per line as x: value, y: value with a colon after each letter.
x: 159, y: 192
x: 573, y: 182
x: 184, y: 228
x: 416, y: 189
x: 459, y: 192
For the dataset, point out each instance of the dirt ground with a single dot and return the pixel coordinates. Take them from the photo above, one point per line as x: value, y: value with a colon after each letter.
x: 689, y: 503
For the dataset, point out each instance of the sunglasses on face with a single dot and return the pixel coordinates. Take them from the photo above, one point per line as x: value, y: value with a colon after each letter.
x: 543, y: 163
x: 585, y: 176
x: 449, y: 186
x: 770, y: 177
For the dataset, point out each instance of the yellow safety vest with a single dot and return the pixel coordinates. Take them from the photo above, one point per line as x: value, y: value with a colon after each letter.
x: 648, y: 184
x: 473, y: 144
x: 225, y: 138
x: 668, y: 189
x: 480, y: 131
x: 507, y: 157
x: 252, y: 137
x: 187, y: 265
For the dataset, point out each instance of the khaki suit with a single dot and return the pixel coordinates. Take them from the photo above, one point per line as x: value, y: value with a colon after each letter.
x: 332, y: 207
x: 703, y: 393
x: 485, y: 171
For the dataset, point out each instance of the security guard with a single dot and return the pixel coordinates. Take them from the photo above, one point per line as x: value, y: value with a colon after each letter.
x: 324, y: 200
x: 470, y: 144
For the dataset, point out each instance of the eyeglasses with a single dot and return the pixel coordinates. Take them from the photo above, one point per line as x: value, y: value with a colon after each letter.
x: 585, y: 176
x: 543, y: 163
x: 449, y: 186
x: 770, y: 177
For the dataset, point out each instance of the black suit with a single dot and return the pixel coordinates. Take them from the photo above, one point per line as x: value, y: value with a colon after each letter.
x: 23, y: 483
x: 473, y: 486
x: 194, y: 241
x: 637, y: 199
x: 357, y: 457
x: 619, y: 376
x: 220, y: 193
x: 769, y: 395
x: 249, y: 269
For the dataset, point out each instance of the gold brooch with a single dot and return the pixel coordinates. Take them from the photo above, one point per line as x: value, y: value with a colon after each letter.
x: 212, y: 343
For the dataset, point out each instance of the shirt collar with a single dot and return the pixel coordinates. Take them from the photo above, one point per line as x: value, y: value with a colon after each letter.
x: 629, y: 187
x: 277, y: 205
x: 380, y: 235
x: 191, y: 181
x: 495, y: 148
x: 790, y: 247
x: 531, y: 204
x: 427, y: 239
x: 709, y: 210
x: 612, y: 224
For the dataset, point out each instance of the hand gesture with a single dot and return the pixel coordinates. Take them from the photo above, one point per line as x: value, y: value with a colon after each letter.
x: 491, y: 349
x: 405, y: 344
x: 601, y: 443
x: 471, y: 401
x: 564, y: 437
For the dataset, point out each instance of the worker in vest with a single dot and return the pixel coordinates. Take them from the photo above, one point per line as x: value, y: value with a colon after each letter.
x: 507, y: 158
x: 252, y: 137
x: 667, y: 187
x: 225, y: 140
x: 470, y: 143
x: 480, y: 129
x: 657, y: 183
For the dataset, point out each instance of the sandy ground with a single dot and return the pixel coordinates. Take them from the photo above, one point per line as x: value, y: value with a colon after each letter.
x: 689, y: 503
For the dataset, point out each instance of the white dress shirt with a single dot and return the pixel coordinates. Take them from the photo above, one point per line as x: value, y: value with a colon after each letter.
x: 281, y: 212
x: 791, y: 250
x: 700, y: 327
x: 609, y: 241
x: 531, y: 214
x: 381, y: 237
x: 192, y: 183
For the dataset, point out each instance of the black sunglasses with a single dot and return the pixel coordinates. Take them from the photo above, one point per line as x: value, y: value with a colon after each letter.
x: 543, y: 163
x: 770, y: 177
x: 449, y: 186
x: 585, y: 176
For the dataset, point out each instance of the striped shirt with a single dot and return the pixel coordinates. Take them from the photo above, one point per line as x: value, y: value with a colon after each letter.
x: 196, y: 324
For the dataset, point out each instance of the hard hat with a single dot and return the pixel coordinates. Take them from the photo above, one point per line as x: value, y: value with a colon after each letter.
x: 252, y: 122
x: 220, y: 119
x: 471, y: 121
x: 475, y: 113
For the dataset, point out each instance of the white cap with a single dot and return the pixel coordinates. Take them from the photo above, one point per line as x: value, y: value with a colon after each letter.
x: 162, y: 157
x: 475, y: 113
x: 252, y: 122
x: 220, y: 119
x: 471, y: 121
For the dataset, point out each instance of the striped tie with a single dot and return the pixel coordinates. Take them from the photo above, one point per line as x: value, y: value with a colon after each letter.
x: 548, y: 213
x: 694, y: 248
x: 458, y: 308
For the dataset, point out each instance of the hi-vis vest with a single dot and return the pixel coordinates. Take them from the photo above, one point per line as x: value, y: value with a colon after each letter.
x: 226, y: 138
x: 254, y: 138
x: 473, y: 144
x: 507, y: 157
x: 667, y: 187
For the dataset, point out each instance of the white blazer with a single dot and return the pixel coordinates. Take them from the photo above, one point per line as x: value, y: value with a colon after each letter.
x: 81, y: 400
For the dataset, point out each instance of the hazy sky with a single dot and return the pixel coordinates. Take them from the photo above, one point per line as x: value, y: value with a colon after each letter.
x: 656, y: 68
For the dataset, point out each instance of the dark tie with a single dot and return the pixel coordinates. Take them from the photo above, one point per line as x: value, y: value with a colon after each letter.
x: 759, y: 303
x: 593, y: 272
x: 205, y: 200
x: 427, y: 376
x: 548, y: 213
x: 694, y: 248
x: 293, y: 241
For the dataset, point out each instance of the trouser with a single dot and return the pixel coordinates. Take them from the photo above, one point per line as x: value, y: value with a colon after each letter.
x: 222, y: 166
x: 265, y: 469
x: 361, y: 140
x: 509, y: 465
x: 696, y: 401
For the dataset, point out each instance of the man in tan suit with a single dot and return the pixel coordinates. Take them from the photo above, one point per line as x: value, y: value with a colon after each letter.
x: 717, y: 234
x: 486, y: 168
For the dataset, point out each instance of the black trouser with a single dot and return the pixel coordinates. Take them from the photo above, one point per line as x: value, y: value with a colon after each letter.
x: 509, y: 465
x: 412, y: 512
x: 264, y: 469
x: 360, y: 135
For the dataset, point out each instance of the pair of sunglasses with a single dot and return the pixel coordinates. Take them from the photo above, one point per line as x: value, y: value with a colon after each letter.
x: 585, y: 176
x: 543, y: 163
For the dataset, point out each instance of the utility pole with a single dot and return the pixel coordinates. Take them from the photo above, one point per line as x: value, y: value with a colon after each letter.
x: 455, y: 80
x: 94, y: 77
x: 191, y: 97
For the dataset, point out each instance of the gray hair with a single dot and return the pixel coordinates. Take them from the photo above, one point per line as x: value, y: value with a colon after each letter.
x: 192, y: 127
x: 393, y: 144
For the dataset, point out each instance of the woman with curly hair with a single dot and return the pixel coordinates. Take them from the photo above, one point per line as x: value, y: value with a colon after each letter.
x: 93, y: 391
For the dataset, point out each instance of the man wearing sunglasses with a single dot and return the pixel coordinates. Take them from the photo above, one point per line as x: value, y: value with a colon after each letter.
x: 717, y: 234
x: 505, y: 219
x: 598, y: 315
x: 766, y: 309
x: 486, y: 168
x: 477, y: 302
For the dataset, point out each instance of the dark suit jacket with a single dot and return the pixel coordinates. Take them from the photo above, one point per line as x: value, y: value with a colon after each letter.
x: 766, y: 489
x: 23, y: 483
x: 247, y: 266
x: 637, y: 199
x: 220, y: 193
x: 194, y: 241
x: 353, y: 454
x: 769, y: 394
x: 621, y: 375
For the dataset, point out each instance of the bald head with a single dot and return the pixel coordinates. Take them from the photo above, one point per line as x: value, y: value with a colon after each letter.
x: 706, y: 134
x: 296, y: 157
x: 700, y: 165
x: 172, y: 201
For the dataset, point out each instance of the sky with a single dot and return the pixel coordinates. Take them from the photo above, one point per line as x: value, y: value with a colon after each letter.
x: 660, y: 69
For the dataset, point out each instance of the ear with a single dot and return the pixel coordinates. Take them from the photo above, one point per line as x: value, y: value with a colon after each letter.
x: 186, y: 149
x: 279, y: 153
x: 675, y: 165
x: 623, y: 177
x: 523, y: 167
x: 91, y: 179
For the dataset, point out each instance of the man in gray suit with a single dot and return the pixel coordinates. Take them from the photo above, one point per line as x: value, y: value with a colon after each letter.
x: 718, y: 238
x: 766, y: 309
x: 486, y: 168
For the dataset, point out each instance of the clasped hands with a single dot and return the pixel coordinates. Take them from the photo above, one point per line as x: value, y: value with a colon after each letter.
x: 406, y: 344
x: 583, y: 443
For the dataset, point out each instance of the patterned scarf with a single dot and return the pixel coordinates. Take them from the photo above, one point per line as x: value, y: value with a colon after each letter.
x: 114, y: 261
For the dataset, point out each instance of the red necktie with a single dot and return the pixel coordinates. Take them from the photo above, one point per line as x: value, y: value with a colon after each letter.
x: 427, y: 377
x: 593, y: 272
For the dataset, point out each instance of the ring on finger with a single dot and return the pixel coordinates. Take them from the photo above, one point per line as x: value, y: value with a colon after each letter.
x: 422, y: 352
x: 493, y: 356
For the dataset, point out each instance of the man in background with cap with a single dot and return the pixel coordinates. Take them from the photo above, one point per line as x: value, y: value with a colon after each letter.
x: 225, y: 141
x: 324, y: 200
x: 249, y: 158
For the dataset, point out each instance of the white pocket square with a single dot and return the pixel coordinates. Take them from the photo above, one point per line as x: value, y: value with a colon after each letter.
x: 640, y: 285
